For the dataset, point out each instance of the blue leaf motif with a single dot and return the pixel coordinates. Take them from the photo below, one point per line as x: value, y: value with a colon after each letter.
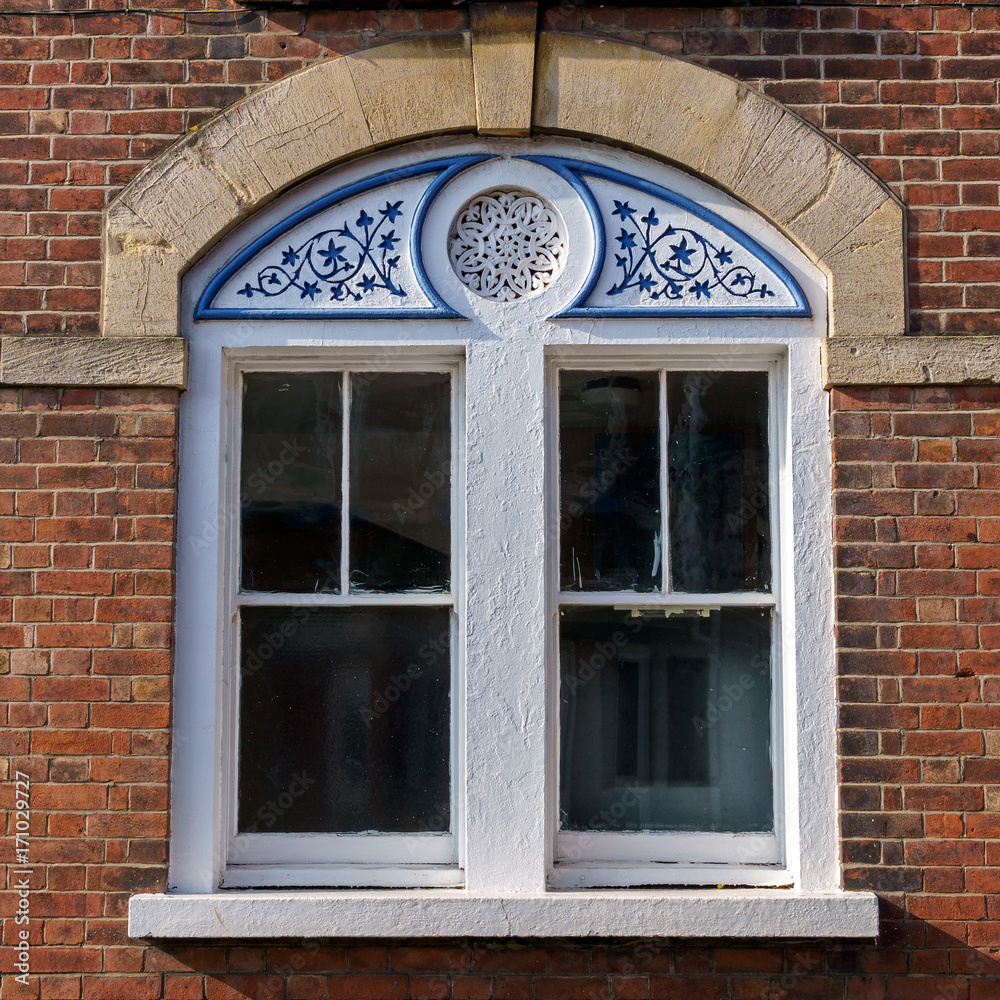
x: 332, y: 253
x: 348, y: 269
x: 627, y: 240
x: 682, y: 252
x: 392, y: 212
x: 623, y: 210
x: 691, y: 265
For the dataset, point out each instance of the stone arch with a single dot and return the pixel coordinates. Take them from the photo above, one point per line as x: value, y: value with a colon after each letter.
x: 197, y: 190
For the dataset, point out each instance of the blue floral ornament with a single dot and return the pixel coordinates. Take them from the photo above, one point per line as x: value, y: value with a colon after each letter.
x: 665, y: 261
x: 349, y: 262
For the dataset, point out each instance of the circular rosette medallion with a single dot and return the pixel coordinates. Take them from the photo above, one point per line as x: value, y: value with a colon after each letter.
x: 507, y: 244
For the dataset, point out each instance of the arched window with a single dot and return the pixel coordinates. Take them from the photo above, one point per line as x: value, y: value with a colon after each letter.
x: 504, y: 569
x: 504, y: 518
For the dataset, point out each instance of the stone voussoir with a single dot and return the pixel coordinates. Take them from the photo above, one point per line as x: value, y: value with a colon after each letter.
x: 417, y: 87
x: 140, y: 277
x: 867, y: 273
x: 503, y: 60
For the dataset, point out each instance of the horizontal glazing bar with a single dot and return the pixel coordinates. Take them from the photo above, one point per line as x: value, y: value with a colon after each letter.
x: 344, y: 601
x: 620, y: 598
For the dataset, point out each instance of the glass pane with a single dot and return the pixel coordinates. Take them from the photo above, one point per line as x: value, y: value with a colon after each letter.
x: 609, y: 513
x: 719, y: 523
x: 665, y: 722
x: 400, y: 482
x: 344, y: 720
x: 290, y: 483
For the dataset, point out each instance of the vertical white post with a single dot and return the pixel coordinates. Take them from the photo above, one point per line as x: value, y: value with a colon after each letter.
x: 505, y: 688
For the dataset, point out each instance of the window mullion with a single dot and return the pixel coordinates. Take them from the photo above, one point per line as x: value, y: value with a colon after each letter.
x: 345, y: 485
x: 505, y: 685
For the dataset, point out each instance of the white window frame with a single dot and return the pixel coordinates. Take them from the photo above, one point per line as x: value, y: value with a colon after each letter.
x: 599, y: 858
x: 381, y: 859
x: 510, y: 878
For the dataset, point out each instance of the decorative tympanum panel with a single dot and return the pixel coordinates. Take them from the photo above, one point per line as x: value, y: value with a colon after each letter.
x: 357, y: 251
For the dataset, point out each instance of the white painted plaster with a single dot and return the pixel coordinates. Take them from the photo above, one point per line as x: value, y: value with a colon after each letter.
x: 404, y: 913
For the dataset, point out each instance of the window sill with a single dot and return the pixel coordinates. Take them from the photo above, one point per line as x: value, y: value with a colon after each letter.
x: 420, y: 913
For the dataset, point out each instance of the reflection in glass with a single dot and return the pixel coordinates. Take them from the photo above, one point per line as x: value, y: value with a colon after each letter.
x: 344, y: 720
x: 719, y: 509
x: 609, y: 481
x: 400, y: 478
x: 290, y: 482
x: 665, y: 722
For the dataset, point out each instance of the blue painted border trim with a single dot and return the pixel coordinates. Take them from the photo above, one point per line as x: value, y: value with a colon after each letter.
x: 448, y: 168
x: 573, y: 172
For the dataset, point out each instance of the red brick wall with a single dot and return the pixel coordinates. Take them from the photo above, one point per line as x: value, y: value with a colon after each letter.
x: 86, y: 100
x: 86, y: 550
x: 85, y: 601
x: 86, y: 610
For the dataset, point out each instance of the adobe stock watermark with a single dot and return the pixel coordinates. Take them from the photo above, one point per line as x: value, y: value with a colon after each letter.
x: 437, y: 820
x: 431, y: 483
x: 605, y: 652
x: 608, y: 819
x: 21, y: 875
x: 731, y: 695
x: 271, y: 811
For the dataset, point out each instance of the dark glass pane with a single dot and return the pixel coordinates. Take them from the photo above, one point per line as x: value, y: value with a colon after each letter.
x: 344, y: 720
x: 665, y: 722
x: 609, y: 512
x: 400, y: 482
x: 290, y: 483
x: 719, y: 523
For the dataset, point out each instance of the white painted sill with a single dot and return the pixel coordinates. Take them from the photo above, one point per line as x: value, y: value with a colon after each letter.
x: 422, y: 913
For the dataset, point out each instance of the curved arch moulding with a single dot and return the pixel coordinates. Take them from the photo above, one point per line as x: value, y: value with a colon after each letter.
x: 356, y: 251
